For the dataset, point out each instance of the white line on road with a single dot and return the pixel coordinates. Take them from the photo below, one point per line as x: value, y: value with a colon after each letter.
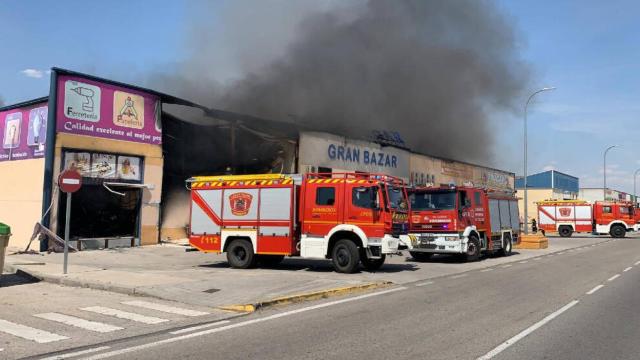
x: 637, y: 263
x: 627, y: 269
x: 536, y: 259
x: 77, y: 353
x: 523, y: 262
x: 124, y: 315
x: 550, y: 255
x: 595, y: 289
x: 560, y: 253
x: 199, y: 327
x: 424, y: 283
x: 506, y: 266
x: 237, y: 325
x: 165, y: 308
x: 78, y: 322
x: 29, y: 333
x: 459, y: 276
x: 500, y: 348
x: 613, y: 277
x: 485, y: 270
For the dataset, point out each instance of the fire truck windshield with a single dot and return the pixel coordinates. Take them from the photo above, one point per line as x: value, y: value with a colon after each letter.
x: 442, y: 200
x: 396, y: 198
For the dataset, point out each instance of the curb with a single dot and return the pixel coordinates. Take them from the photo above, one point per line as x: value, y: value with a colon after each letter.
x: 296, y: 298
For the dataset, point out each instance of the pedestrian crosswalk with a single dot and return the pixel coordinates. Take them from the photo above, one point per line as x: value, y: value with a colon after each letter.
x: 125, y: 315
x: 65, y: 323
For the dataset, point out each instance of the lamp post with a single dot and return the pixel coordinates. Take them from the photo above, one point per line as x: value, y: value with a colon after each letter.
x: 635, y: 198
x: 526, y: 204
x: 604, y: 173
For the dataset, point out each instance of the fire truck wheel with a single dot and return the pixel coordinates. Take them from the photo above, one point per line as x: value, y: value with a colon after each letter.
x: 345, y: 256
x: 420, y: 256
x: 565, y: 231
x: 240, y: 254
x: 372, y: 264
x: 506, y: 247
x: 618, y: 231
x: 473, y: 249
x: 270, y: 260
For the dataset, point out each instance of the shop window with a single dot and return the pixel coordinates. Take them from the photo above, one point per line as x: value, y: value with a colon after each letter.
x: 326, y: 196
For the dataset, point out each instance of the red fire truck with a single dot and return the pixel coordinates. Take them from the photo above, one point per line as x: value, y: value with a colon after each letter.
x: 461, y: 220
x: 604, y: 217
x: 350, y: 218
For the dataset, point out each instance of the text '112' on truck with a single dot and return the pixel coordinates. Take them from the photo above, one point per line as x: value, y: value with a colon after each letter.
x: 466, y: 221
x: 350, y: 218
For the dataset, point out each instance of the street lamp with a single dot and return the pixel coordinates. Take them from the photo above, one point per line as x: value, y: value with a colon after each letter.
x: 526, y: 204
x: 635, y: 198
x: 604, y: 173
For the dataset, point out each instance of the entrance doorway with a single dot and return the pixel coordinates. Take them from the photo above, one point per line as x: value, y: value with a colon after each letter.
x: 101, y: 219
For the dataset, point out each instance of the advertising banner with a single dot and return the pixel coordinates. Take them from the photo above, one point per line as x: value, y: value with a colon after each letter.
x: 103, y: 166
x: 92, y: 108
x: 24, y: 132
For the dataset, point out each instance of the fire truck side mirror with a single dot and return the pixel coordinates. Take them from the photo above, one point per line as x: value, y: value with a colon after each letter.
x: 373, y: 194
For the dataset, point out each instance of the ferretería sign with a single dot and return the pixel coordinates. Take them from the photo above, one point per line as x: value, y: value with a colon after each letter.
x: 340, y: 153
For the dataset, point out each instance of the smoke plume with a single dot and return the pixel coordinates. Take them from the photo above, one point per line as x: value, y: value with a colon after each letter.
x: 435, y: 71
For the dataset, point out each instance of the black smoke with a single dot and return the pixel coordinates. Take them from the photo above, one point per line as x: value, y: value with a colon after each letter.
x: 435, y: 71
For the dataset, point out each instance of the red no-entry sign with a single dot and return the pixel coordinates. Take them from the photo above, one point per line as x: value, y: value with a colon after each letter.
x: 70, y: 181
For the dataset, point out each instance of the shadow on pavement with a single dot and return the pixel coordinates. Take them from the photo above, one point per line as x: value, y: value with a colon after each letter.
x: 18, y: 278
x: 315, y: 266
x: 454, y: 259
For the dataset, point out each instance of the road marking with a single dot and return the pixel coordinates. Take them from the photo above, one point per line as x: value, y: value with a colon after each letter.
x: 560, y: 253
x: 485, y: 270
x: 536, y: 259
x: 237, y: 325
x: 78, y: 322
x: 637, y: 263
x: 165, y: 308
x: 424, y: 283
x: 76, y: 353
x: 550, y: 255
x: 124, y: 315
x: 523, y: 262
x: 500, y: 348
x: 506, y: 266
x: 459, y: 276
x: 627, y: 269
x: 595, y: 289
x: 593, y: 245
x: 613, y: 277
x: 29, y: 333
x: 199, y: 327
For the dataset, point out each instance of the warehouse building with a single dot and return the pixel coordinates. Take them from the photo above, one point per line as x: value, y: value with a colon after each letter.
x: 547, y: 185
x: 134, y: 151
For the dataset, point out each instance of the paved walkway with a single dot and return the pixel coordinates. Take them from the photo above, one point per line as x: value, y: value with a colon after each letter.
x: 169, y: 272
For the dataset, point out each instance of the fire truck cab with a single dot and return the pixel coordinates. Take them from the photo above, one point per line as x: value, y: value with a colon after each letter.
x: 350, y: 218
x: 461, y: 220
x: 613, y: 217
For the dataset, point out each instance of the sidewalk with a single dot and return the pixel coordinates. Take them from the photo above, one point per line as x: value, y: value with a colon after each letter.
x: 168, y: 272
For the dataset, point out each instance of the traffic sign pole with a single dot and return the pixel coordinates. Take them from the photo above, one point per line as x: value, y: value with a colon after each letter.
x: 69, y: 182
x: 67, y: 224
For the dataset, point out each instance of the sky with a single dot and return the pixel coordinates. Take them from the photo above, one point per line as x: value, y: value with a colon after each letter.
x: 588, y: 49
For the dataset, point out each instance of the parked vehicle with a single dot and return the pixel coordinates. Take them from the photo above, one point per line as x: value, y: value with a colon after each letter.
x: 350, y: 218
x: 603, y: 217
x: 461, y: 220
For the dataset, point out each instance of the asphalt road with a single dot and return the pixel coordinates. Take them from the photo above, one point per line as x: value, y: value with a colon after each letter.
x: 532, y: 309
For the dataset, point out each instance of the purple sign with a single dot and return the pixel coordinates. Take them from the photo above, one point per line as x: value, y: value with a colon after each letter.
x: 91, y: 108
x: 23, y: 132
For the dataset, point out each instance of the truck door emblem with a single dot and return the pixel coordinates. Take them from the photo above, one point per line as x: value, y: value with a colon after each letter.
x: 565, y: 211
x: 240, y: 203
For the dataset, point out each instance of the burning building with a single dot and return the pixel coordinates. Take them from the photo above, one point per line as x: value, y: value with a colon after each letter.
x: 135, y: 147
